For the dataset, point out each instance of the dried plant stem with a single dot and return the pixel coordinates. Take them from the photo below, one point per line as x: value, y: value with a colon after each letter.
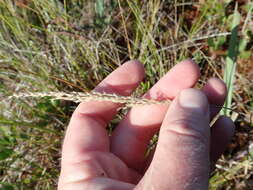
x: 77, y: 97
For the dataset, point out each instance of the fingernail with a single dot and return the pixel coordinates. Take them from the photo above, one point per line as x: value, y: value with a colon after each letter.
x: 193, y: 99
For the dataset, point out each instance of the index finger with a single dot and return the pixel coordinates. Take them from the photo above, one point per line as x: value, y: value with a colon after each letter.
x: 86, y: 130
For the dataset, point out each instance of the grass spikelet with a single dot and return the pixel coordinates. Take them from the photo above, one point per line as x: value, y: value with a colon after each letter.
x: 77, y: 97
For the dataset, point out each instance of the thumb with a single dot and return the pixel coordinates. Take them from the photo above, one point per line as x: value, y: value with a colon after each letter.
x: 181, y: 160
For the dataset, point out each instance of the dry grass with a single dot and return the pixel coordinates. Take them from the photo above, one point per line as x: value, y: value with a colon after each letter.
x: 78, y: 97
x: 70, y: 46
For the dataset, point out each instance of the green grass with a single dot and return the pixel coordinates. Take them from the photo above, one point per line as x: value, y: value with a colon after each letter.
x: 72, y: 45
x: 230, y: 68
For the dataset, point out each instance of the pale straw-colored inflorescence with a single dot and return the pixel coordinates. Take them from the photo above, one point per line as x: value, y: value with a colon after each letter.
x: 127, y: 101
x: 77, y: 97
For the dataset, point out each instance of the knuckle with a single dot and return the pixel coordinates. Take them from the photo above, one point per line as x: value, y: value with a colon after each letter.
x: 190, y: 129
x: 82, y: 170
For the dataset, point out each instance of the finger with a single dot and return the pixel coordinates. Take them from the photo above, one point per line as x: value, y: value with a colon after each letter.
x: 182, y: 153
x: 142, y: 122
x: 216, y: 92
x: 86, y: 131
x: 221, y: 134
x: 95, y: 165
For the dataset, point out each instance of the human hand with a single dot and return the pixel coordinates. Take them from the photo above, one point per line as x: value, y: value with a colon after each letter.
x: 187, y: 147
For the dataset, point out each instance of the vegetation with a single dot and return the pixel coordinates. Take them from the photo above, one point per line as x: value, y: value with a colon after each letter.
x: 60, y: 45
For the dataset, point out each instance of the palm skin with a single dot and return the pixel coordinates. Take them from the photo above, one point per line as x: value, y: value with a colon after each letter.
x: 93, y: 160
